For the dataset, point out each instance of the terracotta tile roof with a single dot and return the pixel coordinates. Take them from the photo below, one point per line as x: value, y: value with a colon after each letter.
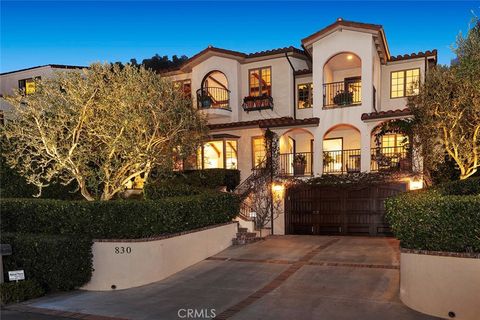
x: 386, y: 114
x: 266, y: 123
x: 55, y: 66
x: 420, y: 54
x: 345, y: 23
x: 302, y: 72
x: 276, y: 51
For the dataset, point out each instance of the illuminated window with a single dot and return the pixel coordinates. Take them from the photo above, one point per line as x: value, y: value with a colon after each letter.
x: 394, y: 140
x: 258, y: 151
x: 218, y: 154
x: 185, y: 86
x: 260, y: 82
x: 28, y: 86
x: 305, y: 95
x: 405, y: 83
x: 231, y: 158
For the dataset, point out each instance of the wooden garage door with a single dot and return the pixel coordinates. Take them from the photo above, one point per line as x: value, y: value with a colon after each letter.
x: 338, y: 210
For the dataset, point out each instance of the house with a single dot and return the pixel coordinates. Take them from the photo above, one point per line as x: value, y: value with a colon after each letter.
x: 324, y: 102
x: 23, y: 79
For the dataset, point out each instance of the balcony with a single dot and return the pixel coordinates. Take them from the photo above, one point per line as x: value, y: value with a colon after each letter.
x: 214, y: 101
x: 342, y: 93
x: 296, y: 164
x: 341, y: 161
x: 391, y: 159
x: 254, y: 103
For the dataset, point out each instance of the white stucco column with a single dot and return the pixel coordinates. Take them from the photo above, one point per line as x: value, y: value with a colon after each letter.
x: 318, y: 152
x: 365, y: 148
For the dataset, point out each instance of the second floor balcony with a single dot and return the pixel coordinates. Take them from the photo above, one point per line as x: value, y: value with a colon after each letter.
x: 342, y: 93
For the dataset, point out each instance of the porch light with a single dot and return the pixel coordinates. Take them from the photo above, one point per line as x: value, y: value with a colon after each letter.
x: 277, y: 189
x: 416, y: 184
x: 349, y: 57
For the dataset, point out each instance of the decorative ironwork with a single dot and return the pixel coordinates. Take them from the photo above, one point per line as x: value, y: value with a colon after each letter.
x: 213, y: 98
x: 341, y: 161
x: 342, y: 93
x: 391, y: 158
x: 253, y: 103
x: 296, y: 164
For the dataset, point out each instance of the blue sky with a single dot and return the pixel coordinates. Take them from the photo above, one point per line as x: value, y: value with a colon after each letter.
x: 78, y: 33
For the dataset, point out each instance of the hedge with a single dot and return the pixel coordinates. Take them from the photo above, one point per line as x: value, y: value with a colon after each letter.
x: 169, y: 188
x: 434, y: 220
x: 12, y: 185
x: 118, y: 218
x: 54, y: 262
x: 208, y: 178
x: 14, y: 292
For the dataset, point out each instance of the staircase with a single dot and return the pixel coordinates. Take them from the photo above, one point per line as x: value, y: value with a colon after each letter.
x: 245, y: 237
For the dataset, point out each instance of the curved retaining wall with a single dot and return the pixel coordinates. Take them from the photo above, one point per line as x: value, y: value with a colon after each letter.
x: 131, y: 263
x: 445, y: 285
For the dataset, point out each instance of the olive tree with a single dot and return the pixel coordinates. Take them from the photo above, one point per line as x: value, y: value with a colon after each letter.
x: 104, y: 128
x: 447, y: 109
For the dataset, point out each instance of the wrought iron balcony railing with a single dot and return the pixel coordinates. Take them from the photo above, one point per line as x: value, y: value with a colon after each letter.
x: 391, y: 158
x: 213, y: 98
x: 342, y: 93
x: 341, y: 161
x: 296, y: 164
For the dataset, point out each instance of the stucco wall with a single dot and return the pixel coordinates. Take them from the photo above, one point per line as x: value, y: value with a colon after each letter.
x: 127, y: 264
x: 437, y: 285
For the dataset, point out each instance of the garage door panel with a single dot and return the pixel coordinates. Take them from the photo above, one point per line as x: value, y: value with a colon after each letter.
x: 339, y: 210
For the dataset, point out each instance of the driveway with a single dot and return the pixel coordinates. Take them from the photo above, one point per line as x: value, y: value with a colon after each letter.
x: 283, y: 277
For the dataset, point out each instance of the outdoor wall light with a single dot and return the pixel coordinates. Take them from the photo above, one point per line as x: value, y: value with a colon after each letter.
x: 349, y: 57
x: 277, y: 189
x: 415, y: 184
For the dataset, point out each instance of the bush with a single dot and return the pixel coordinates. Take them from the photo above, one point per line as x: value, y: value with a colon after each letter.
x: 54, y: 262
x: 169, y: 188
x: 119, y: 218
x: 470, y: 186
x: 12, y: 185
x: 431, y: 220
x: 11, y: 292
x: 208, y: 178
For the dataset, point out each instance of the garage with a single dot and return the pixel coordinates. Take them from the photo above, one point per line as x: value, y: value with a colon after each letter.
x: 339, y: 210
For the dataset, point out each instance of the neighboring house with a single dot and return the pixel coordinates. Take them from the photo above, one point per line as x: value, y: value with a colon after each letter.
x: 24, y: 80
x: 325, y: 99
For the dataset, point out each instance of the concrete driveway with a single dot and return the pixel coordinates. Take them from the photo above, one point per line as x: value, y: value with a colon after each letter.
x: 283, y: 277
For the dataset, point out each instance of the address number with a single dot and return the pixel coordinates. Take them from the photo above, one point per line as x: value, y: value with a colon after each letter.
x: 123, y: 250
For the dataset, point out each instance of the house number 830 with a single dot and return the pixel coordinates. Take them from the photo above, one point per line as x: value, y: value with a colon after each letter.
x: 123, y: 250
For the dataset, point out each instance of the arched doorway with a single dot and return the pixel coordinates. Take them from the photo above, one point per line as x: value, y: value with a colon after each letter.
x: 214, y: 91
x: 342, y: 80
x: 341, y: 149
x: 296, y: 153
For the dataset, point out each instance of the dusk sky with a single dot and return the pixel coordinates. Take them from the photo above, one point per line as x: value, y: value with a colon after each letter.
x: 79, y: 33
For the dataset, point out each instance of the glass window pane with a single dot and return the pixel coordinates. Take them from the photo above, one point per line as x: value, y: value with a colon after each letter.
x: 213, y: 155
x: 258, y: 151
x: 231, y: 154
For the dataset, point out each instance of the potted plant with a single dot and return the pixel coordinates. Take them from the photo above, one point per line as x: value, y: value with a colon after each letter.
x: 205, y: 101
x: 343, y: 98
x: 299, y: 164
x: 327, y: 158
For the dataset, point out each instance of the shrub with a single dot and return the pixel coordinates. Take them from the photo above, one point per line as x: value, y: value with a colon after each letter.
x: 119, y: 218
x: 470, y: 186
x: 12, y: 185
x: 169, y: 188
x: 54, y: 262
x: 208, y: 178
x: 19, y: 291
x: 429, y: 220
